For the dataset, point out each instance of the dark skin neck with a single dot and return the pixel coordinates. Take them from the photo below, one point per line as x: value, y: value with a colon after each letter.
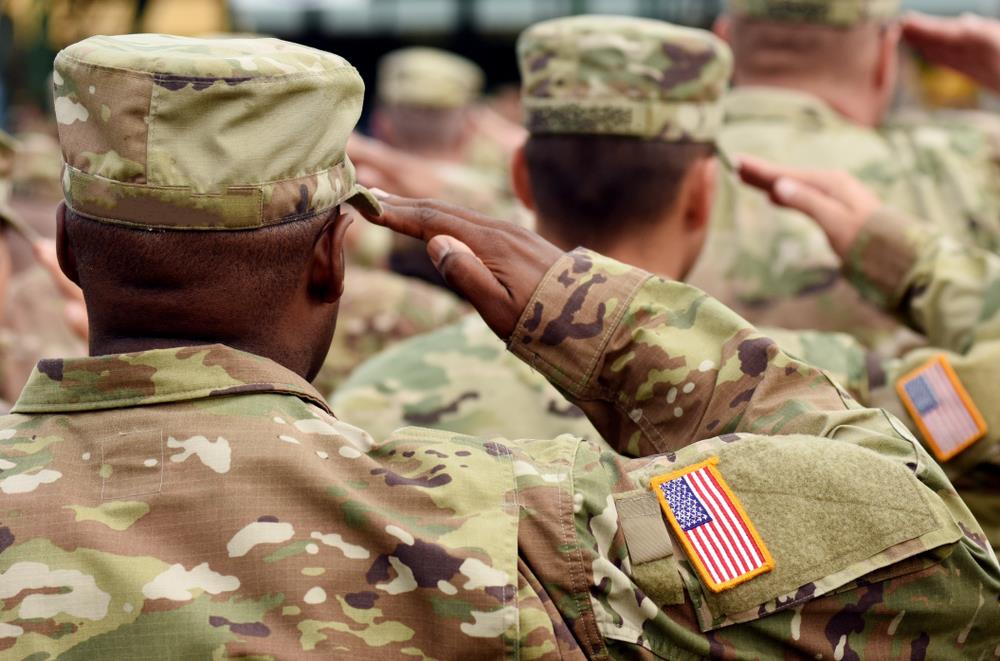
x: 289, y: 320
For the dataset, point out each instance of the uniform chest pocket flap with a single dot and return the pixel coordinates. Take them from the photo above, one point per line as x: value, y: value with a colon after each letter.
x: 825, y: 514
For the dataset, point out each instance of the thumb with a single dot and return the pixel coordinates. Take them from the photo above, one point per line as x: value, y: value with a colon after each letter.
x: 466, y: 274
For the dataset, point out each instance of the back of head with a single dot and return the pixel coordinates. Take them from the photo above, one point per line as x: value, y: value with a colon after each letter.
x: 423, y: 94
x: 833, y: 44
x: 198, y: 175
x: 619, y: 110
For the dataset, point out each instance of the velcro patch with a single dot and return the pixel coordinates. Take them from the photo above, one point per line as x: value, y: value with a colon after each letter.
x: 942, y: 408
x: 710, y: 522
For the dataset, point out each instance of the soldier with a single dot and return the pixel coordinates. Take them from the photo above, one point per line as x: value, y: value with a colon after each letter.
x: 813, y: 80
x: 941, y: 288
x: 656, y: 181
x: 201, y: 500
x: 425, y: 114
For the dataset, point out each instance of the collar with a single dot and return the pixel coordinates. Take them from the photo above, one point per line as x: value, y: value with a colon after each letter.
x: 156, y: 377
x: 748, y: 104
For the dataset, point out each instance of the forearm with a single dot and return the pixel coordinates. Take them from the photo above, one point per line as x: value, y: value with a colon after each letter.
x: 940, y: 287
x: 658, y: 365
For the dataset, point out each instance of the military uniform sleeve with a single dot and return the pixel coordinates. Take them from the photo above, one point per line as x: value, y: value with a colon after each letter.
x: 658, y: 365
x: 945, y: 289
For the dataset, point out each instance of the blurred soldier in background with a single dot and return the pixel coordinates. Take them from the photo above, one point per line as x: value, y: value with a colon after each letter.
x: 603, y: 188
x: 814, y: 80
x: 442, y: 143
x: 292, y: 532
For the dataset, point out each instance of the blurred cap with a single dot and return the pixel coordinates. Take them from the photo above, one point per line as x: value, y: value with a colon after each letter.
x: 428, y: 77
x: 616, y: 75
x: 205, y: 134
x: 837, y: 13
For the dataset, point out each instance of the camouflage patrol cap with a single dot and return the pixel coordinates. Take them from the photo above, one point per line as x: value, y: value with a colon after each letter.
x: 428, y: 77
x: 205, y: 134
x: 838, y: 13
x: 626, y: 76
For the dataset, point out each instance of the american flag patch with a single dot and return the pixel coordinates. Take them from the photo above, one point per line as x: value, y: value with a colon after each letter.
x: 710, y: 522
x: 942, y: 408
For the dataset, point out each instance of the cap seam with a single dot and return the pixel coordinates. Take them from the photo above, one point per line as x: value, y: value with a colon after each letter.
x: 153, y: 74
x: 244, y: 186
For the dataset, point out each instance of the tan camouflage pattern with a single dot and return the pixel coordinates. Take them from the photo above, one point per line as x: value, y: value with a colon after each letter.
x: 951, y: 293
x: 836, y: 13
x: 377, y: 310
x: 775, y: 267
x: 312, y: 538
x: 428, y: 78
x: 460, y: 378
x: 193, y: 134
x: 620, y: 75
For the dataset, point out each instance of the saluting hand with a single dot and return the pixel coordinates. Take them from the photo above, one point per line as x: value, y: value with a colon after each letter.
x: 969, y: 44
x: 839, y: 203
x: 495, y: 265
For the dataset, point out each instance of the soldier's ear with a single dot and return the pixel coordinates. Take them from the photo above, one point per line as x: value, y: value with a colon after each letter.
x: 701, y: 194
x: 521, y: 179
x: 326, y: 270
x: 67, y: 260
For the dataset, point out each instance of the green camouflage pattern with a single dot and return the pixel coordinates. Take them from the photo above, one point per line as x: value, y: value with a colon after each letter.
x: 377, y: 310
x: 431, y: 544
x: 951, y: 293
x: 623, y: 76
x: 836, y: 13
x: 194, y: 134
x: 459, y: 378
x: 775, y: 267
x: 428, y: 78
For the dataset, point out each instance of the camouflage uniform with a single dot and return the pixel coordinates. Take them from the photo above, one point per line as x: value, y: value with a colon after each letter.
x: 202, y: 502
x: 774, y: 266
x: 459, y: 378
x: 377, y: 310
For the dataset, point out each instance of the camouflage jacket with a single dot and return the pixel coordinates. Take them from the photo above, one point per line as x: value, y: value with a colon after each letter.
x: 202, y: 502
x: 377, y: 310
x: 774, y: 266
x: 459, y: 378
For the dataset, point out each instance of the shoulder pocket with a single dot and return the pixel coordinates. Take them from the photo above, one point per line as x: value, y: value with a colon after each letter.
x: 828, y: 513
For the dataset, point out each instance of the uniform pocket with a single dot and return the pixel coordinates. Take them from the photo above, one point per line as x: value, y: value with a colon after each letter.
x: 828, y: 513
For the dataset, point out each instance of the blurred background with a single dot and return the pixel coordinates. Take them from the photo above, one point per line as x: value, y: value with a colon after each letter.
x: 32, y: 31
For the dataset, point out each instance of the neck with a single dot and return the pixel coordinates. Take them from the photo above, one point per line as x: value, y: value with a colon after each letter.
x: 659, y: 249
x: 276, y: 346
x: 857, y: 108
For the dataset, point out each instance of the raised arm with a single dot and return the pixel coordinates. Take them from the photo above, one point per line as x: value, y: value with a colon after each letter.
x: 655, y: 364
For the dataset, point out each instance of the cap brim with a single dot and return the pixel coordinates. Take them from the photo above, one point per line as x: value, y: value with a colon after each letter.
x: 364, y: 201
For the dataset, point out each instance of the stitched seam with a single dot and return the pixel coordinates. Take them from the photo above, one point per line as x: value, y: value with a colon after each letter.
x: 578, y: 573
x: 136, y: 73
x: 177, y: 396
x: 318, y: 173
